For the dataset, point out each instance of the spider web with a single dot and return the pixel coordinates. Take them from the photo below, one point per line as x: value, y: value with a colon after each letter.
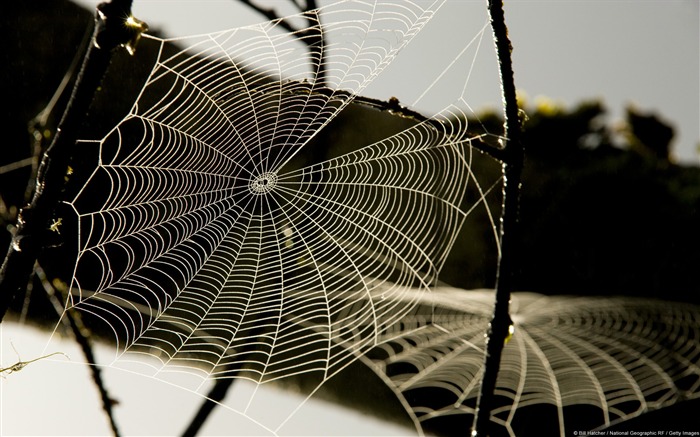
x: 211, y: 242
x: 574, y: 363
x: 217, y: 238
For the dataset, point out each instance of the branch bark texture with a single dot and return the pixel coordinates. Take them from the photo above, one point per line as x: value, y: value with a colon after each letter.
x: 513, y: 156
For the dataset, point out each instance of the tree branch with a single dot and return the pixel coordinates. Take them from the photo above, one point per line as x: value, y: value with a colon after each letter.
x: 501, y: 325
x: 216, y: 395
x: 38, y: 126
x: 392, y: 105
x: 315, y: 41
x: 271, y: 15
x: 312, y: 36
x: 114, y: 27
x: 220, y: 388
x: 82, y: 337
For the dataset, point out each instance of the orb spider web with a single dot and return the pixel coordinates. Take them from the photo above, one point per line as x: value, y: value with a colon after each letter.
x: 214, y: 240
x: 219, y: 237
x: 572, y: 363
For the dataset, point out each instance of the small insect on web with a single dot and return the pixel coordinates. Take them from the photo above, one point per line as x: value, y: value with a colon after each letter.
x: 217, y: 237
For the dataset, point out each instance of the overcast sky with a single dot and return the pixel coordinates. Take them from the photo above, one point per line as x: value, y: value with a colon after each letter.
x: 645, y: 53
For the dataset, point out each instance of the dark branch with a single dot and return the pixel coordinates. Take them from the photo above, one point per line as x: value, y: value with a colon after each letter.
x: 220, y: 388
x: 396, y: 108
x: 114, y: 27
x: 38, y: 126
x: 271, y: 15
x: 216, y: 395
x: 82, y: 337
x: 314, y: 39
x: 307, y: 36
x: 312, y: 36
x: 512, y: 168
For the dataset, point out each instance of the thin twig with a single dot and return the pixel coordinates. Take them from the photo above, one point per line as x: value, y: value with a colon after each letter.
x: 38, y: 126
x: 315, y: 41
x: 82, y: 337
x: 501, y: 325
x: 393, y: 106
x: 221, y: 387
x: 16, y: 165
x: 215, y: 396
x: 312, y: 36
x: 271, y: 15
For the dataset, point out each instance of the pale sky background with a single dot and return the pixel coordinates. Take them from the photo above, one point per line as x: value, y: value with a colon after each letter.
x: 56, y: 396
x: 641, y: 52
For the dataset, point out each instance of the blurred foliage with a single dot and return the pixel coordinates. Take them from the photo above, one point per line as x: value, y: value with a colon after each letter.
x: 604, y: 209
